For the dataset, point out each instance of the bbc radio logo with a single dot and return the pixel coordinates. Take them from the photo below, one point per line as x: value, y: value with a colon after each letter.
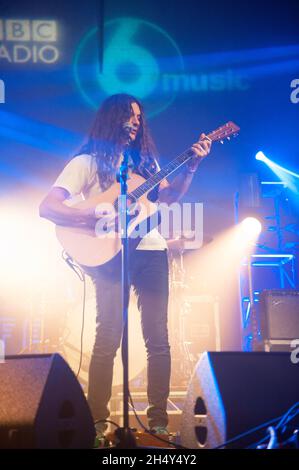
x: 28, y: 30
x: 23, y: 41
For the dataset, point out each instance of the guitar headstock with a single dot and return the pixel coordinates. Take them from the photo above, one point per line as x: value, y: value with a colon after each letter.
x: 228, y: 130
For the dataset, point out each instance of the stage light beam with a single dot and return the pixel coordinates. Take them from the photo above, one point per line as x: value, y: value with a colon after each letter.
x: 290, y: 178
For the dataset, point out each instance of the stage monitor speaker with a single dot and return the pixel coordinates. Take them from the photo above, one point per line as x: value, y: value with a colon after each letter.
x: 279, y: 313
x: 232, y: 392
x: 42, y: 405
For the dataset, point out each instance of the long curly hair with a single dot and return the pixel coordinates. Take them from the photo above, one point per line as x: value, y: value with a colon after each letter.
x: 105, y: 141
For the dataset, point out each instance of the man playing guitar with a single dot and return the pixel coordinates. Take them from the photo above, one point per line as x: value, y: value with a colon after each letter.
x: 120, y: 120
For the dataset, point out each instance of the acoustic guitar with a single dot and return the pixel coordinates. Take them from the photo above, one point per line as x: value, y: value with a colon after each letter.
x: 101, y: 246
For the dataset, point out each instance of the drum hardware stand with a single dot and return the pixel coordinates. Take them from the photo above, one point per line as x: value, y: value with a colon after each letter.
x: 178, y: 288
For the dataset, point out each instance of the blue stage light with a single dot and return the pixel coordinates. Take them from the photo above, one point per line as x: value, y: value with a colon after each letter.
x: 290, y: 178
x: 260, y: 156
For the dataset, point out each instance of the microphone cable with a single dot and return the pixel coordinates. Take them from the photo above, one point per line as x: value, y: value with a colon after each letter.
x: 81, y: 275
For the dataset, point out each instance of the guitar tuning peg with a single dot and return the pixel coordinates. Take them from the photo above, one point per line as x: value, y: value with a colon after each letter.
x: 221, y: 142
x: 228, y: 138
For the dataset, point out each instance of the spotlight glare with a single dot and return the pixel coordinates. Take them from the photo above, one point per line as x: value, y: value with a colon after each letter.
x: 260, y: 156
x: 251, y: 227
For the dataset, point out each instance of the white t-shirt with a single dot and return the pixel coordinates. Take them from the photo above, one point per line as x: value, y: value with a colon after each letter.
x: 80, y: 178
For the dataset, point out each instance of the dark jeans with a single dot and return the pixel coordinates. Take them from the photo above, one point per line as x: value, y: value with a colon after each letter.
x: 149, y: 277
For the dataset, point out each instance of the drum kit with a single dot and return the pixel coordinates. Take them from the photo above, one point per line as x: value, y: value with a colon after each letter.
x: 182, y: 356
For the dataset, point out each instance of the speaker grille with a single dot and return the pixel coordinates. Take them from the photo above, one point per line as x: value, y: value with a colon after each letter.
x: 42, y: 405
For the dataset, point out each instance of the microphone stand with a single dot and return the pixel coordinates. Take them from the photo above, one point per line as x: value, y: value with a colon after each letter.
x: 124, y: 437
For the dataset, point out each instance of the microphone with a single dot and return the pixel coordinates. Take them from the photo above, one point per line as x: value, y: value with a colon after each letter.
x: 129, y: 127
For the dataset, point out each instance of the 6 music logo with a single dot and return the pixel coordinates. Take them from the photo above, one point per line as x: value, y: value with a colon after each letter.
x: 134, y: 62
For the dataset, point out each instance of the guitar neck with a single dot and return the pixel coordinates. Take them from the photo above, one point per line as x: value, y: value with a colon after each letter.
x: 155, y: 179
x: 220, y: 134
